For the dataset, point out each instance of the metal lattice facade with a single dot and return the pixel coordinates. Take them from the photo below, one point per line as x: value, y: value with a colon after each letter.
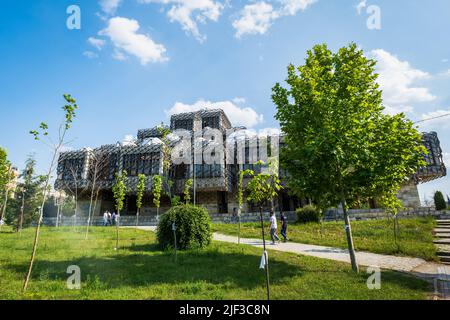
x: 215, y: 183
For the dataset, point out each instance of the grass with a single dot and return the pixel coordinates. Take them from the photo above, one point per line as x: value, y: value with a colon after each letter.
x: 376, y: 236
x: 139, y: 270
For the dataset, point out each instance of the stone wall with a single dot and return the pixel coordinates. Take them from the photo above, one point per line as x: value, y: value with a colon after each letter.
x: 409, y: 195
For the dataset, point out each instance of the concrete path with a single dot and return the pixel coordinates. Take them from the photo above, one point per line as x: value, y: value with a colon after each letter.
x: 436, y: 273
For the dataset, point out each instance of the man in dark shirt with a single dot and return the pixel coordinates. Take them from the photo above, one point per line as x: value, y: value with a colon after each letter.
x: 284, y: 223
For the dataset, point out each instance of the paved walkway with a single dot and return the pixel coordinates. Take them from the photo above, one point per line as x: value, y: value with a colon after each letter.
x: 437, y: 273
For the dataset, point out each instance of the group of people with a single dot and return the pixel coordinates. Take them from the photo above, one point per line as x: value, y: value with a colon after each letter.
x: 110, y: 219
x: 274, y: 227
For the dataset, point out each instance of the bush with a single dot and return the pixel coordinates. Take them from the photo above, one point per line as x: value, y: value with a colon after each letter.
x: 193, y: 228
x: 439, y: 201
x: 308, y: 214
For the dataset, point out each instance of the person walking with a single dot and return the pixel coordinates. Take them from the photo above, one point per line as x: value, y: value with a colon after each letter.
x: 109, y: 218
x: 105, y: 218
x: 113, y: 217
x: 284, y: 224
x: 273, y: 227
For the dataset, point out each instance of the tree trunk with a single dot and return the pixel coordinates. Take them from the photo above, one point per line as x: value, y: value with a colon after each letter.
x: 4, y: 207
x: 22, y: 209
x: 266, y: 267
x: 41, y: 214
x: 57, y: 215
x: 348, y: 231
x: 117, y: 229
x: 89, y: 213
x: 137, y: 216
x: 239, y: 226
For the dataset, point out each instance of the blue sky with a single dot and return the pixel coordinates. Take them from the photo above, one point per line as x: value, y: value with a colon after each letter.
x: 134, y: 62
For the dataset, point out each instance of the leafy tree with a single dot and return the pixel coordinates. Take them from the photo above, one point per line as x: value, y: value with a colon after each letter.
x: 187, y: 190
x: 119, y: 191
x: 139, y: 195
x: 24, y: 209
x: 6, y: 176
x: 156, y: 189
x: 439, y: 201
x: 339, y: 145
x: 69, y: 112
x: 262, y: 188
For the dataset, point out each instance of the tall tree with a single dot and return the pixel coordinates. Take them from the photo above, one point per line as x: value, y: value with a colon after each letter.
x: 339, y: 145
x: 140, y: 195
x: 156, y: 190
x: 6, y: 175
x: 69, y: 114
x: 98, y: 162
x: 25, y: 207
x: 119, y: 190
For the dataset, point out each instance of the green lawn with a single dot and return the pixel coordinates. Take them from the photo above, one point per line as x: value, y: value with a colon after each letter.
x: 139, y: 270
x: 376, y: 236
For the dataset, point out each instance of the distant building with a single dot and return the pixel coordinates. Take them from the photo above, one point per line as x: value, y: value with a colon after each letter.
x: 215, y: 184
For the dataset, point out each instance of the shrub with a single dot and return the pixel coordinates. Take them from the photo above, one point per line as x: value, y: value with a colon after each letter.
x: 439, y: 201
x: 193, y: 227
x: 308, y: 213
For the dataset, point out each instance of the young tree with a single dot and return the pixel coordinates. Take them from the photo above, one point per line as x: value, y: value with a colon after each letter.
x: 69, y: 113
x: 262, y: 188
x: 140, y: 195
x: 119, y: 190
x: 167, y: 183
x: 187, y: 191
x: 240, y: 197
x: 73, y: 187
x: 338, y: 143
x: 156, y: 189
x: 98, y: 161
x: 439, y: 201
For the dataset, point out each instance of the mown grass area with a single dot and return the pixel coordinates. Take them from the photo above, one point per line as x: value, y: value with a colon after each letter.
x: 415, y: 238
x: 139, y: 270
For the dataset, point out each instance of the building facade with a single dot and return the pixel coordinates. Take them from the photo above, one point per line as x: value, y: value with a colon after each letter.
x: 91, y: 172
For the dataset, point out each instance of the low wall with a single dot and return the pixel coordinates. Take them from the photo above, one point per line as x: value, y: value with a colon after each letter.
x: 372, y: 214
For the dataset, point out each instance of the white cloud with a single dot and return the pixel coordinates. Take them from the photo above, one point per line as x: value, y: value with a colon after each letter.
x: 445, y: 74
x: 110, y: 6
x: 97, y: 43
x: 90, y: 54
x: 239, y: 100
x: 446, y: 156
x: 255, y: 18
x: 128, y: 140
x: 123, y: 34
x: 258, y: 17
x: 239, y: 116
x: 436, y: 119
x: 189, y: 13
x: 398, y: 81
